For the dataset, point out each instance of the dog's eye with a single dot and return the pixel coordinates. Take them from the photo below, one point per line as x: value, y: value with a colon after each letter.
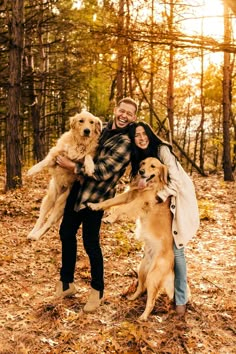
x: 153, y: 166
x: 81, y: 120
x: 91, y: 122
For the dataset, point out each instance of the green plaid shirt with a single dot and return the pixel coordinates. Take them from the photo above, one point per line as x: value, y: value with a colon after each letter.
x: 112, y: 158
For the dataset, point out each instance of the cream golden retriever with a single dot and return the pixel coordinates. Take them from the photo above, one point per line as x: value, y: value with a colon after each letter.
x: 153, y: 227
x: 79, y: 142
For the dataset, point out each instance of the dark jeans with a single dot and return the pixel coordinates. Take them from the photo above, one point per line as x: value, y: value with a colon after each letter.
x: 91, y: 222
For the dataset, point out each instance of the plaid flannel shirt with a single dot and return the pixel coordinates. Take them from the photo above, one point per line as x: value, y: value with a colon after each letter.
x: 110, y: 163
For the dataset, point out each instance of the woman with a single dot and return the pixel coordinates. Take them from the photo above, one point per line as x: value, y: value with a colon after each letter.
x: 145, y: 143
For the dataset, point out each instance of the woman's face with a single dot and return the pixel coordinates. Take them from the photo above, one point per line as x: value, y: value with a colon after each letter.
x: 141, y: 138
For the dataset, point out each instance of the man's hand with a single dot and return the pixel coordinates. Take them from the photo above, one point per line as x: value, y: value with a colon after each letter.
x: 66, y: 163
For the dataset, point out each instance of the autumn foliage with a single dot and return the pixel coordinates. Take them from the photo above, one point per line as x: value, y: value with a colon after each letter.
x: 32, y: 321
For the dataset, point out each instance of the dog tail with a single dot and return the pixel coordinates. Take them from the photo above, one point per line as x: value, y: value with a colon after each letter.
x: 37, y: 168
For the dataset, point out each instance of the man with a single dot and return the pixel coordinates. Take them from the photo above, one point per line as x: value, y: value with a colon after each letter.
x: 112, y: 158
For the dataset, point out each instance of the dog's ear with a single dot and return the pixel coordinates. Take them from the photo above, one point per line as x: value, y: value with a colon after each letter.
x: 73, y: 121
x: 98, y: 126
x: 164, y: 174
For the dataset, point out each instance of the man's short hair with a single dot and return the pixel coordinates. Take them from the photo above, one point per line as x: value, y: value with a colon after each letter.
x: 129, y: 100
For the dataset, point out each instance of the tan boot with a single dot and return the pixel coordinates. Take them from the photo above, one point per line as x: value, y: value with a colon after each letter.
x: 180, y: 310
x: 69, y: 292
x: 93, y: 302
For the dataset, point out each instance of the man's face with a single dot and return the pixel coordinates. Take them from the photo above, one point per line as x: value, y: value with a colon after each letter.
x: 123, y: 115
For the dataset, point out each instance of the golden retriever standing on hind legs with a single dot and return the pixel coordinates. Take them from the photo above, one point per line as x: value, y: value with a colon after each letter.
x: 79, y: 142
x: 154, y: 221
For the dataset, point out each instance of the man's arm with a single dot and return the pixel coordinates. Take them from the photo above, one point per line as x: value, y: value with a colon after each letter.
x: 117, y: 157
x: 66, y: 163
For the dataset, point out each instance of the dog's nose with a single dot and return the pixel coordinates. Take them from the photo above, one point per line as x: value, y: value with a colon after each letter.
x: 86, y: 131
x: 141, y: 172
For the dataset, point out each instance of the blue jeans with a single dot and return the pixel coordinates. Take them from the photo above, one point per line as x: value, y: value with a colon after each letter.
x: 180, y: 268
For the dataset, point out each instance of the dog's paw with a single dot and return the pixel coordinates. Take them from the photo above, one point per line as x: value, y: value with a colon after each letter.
x: 109, y: 219
x: 33, y: 236
x: 134, y: 296
x: 31, y: 171
x: 88, y: 165
x: 131, y: 297
x: 88, y: 170
x: 93, y: 206
x: 143, y: 317
x: 131, y: 288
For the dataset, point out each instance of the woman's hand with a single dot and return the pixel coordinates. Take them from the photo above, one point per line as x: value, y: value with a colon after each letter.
x: 66, y: 163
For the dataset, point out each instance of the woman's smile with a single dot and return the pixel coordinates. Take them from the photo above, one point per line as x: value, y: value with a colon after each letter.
x: 141, y: 138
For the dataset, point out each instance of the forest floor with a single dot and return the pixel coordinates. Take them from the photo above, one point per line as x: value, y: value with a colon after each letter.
x: 32, y: 321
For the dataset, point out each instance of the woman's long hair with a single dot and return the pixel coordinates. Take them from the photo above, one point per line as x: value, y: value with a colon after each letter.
x: 137, y: 154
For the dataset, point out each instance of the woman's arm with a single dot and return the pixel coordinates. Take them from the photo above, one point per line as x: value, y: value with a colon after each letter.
x: 174, y: 172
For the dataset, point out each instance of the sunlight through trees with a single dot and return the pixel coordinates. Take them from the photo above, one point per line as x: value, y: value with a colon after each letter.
x: 87, y: 54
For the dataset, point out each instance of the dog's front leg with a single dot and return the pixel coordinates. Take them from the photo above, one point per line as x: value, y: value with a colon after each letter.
x: 88, y: 165
x: 96, y: 206
x: 123, y: 198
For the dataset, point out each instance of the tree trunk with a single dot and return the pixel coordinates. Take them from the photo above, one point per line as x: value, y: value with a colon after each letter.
x: 38, y: 151
x: 152, y: 68
x: 227, y: 166
x: 202, y: 103
x: 170, y: 89
x: 232, y: 5
x: 13, y: 146
x: 129, y: 55
x: 120, y: 54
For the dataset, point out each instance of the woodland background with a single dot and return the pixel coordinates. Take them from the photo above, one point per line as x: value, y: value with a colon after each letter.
x: 57, y: 59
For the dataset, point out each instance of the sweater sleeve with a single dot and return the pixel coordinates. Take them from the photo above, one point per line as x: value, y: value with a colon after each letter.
x: 173, y: 166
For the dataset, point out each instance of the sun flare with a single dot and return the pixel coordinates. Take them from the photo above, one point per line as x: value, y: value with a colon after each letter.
x: 205, y: 18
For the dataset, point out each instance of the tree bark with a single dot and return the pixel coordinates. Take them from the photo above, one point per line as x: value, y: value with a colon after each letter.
x: 38, y: 152
x: 232, y: 5
x: 13, y: 141
x: 227, y: 166
x: 120, y: 54
x: 170, y: 89
x: 202, y: 103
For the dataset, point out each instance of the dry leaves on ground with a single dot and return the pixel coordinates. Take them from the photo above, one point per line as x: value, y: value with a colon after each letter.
x: 32, y: 321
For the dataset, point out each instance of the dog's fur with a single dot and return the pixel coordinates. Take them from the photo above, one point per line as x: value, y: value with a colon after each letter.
x: 154, y: 228
x: 79, y: 142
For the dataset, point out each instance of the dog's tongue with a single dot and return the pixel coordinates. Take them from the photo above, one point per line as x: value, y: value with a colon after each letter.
x: 142, y: 183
